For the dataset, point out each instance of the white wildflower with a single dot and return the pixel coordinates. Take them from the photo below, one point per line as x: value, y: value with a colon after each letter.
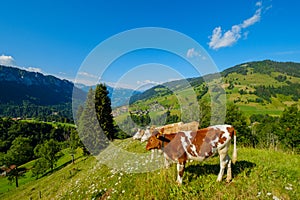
x: 275, y: 198
x: 258, y: 194
x: 289, y: 187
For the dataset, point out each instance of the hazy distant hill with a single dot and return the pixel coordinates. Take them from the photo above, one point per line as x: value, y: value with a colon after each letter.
x: 118, y: 96
x: 263, y: 87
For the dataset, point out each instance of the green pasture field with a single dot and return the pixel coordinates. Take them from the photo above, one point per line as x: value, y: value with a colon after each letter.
x: 258, y: 174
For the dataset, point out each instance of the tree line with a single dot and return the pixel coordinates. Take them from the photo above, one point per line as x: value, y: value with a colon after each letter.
x: 58, y: 113
x: 257, y: 131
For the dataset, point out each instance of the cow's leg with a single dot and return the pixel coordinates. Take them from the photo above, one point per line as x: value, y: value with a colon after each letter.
x: 180, y: 170
x: 152, y: 154
x: 229, y: 174
x: 222, y: 167
x: 167, y: 161
x: 224, y: 160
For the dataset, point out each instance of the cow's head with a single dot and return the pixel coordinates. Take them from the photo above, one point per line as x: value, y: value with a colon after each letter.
x: 153, y: 141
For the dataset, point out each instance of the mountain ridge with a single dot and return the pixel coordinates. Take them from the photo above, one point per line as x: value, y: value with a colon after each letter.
x: 258, y: 87
x: 271, y: 66
x: 23, y: 92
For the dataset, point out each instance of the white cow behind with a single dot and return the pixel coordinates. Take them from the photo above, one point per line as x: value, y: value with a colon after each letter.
x: 147, y: 134
x: 139, y: 134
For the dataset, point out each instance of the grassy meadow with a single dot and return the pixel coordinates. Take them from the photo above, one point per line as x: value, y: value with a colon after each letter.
x: 258, y: 174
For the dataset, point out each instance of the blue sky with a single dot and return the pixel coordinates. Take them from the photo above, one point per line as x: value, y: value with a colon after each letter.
x: 55, y: 37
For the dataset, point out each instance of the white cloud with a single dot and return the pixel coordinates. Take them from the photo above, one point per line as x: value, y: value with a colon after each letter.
x: 146, y: 82
x: 33, y: 69
x: 83, y: 81
x: 7, y: 60
x: 252, y: 20
x: 86, y: 74
x: 10, y: 61
x: 86, y: 79
x: 230, y: 37
x: 227, y: 39
x: 245, y: 34
x: 259, y: 4
x: 192, y: 53
x: 62, y: 73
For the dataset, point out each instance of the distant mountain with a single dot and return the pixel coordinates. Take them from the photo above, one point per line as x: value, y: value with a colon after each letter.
x: 32, y: 94
x: 118, y: 96
x: 18, y: 85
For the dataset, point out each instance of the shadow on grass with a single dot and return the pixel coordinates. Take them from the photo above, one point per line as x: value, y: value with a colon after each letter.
x: 201, y: 169
x: 56, y: 169
x: 60, y: 167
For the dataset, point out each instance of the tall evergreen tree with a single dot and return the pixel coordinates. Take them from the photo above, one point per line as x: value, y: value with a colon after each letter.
x: 90, y: 132
x: 104, y: 111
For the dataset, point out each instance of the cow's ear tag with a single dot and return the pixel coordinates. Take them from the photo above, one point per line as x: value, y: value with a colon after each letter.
x: 157, y: 136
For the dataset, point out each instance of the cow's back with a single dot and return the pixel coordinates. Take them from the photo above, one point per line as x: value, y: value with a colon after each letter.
x: 200, y: 144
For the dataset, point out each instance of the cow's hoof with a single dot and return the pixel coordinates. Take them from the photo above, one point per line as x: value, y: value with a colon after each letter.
x: 228, y: 180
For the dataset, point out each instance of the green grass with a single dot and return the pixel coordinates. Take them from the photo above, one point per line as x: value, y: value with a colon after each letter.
x: 249, y: 110
x: 27, y: 178
x: 258, y: 174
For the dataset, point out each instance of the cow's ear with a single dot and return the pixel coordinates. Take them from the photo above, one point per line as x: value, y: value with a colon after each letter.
x: 157, y: 136
x: 161, y: 131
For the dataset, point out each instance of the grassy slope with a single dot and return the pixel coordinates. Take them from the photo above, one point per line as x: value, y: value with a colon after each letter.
x: 5, y: 186
x: 258, y: 174
x: 250, y: 81
x: 246, y: 102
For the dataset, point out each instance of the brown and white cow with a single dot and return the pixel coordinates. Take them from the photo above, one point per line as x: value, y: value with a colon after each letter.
x: 196, y: 145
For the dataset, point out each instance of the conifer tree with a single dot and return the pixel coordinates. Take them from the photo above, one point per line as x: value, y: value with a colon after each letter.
x: 104, y: 111
x: 90, y: 132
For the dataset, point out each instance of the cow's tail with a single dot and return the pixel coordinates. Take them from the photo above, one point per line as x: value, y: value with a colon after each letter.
x: 234, y: 155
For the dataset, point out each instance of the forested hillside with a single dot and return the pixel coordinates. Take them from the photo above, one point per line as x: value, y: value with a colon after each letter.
x: 33, y: 95
x: 264, y: 87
